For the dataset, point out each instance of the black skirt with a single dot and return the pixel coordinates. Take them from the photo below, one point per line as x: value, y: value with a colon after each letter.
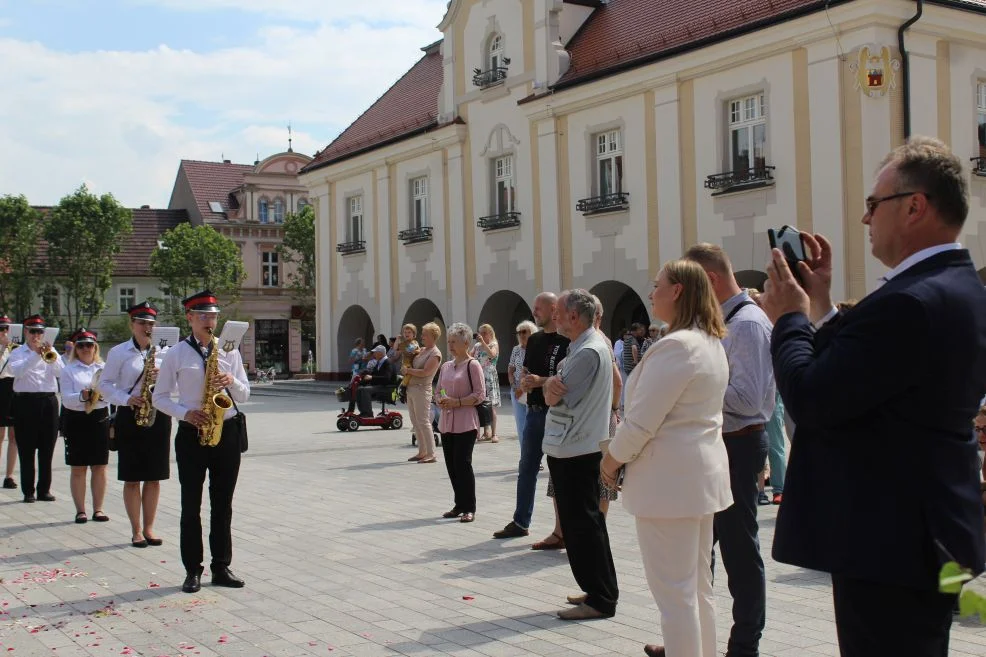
x: 86, y: 437
x: 144, y: 452
x: 6, y: 402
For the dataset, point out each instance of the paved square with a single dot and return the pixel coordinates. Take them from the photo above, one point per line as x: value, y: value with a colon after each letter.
x: 341, y: 545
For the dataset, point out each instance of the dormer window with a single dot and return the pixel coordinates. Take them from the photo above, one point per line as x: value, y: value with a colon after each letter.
x: 496, y: 64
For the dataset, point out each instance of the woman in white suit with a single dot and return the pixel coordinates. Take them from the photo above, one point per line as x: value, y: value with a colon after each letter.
x: 677, y: 470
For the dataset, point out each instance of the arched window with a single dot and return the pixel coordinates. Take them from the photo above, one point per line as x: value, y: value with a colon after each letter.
x: 263, y: 211
x: 495, y: 51
x: 302, y: 202
x: 279, y: 211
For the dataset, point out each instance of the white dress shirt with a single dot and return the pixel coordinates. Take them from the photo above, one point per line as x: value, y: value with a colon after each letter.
x: 123, y: 371
x: 183, y: 374
x: 74, y: 378
x: 31, y: 373
x: 5, y: 353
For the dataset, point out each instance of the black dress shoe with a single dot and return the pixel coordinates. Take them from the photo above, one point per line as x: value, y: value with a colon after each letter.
x: 8, y: 482
x: 47, y: 497
x: 29, y: 499
x: 223, y: 576
x: 193, y: 581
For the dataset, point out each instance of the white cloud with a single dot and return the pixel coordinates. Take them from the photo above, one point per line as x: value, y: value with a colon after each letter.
x: 123, y: 120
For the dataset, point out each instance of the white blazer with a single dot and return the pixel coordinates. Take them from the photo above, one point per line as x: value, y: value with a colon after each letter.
x: 671, y: 440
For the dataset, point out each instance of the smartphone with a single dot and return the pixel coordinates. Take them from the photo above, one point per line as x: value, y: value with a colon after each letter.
x: 792, y: 245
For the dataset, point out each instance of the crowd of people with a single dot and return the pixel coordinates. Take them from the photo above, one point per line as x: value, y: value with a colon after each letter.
x: 682, y: 417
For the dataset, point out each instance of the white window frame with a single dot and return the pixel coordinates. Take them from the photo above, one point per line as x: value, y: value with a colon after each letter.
x: 494, y: 52
x: 745, y: 115
x: 48, y: 293
x: 278, y: 217
x: 419, y: 203
x: 354, y: 225
x: 609, y: 156
x: 263, y: 211
x: 126, y: 301
x: 270, y: 264
x: 502, y: 169
x: 302, y: 202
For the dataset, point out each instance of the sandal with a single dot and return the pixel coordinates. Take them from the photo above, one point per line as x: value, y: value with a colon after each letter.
x: 80, y: 518
x: 99, y: 516
x: 548, y: 544
x: 430, y: 459
x: 495, y: 439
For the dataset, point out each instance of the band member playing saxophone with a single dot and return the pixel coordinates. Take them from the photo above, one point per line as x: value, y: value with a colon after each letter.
x: 35, y: 366
x: 85, y: 424
x: 7, y: 345
x: 200, y: 402
x: 144, y: 452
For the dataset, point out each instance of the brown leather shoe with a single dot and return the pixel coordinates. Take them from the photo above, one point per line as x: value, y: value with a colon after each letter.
x: 582, y: 612
x: 654, y: 651
x: 577, y: 599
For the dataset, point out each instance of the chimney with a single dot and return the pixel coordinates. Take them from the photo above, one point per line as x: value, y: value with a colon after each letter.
x: 227, y: 161
x: 145, y: 207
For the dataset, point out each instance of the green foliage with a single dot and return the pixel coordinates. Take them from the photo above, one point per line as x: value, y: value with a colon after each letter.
x: 951, y: 580
x: 85, y: 233
x: 21, y: 227
x: 195, y: 258
x: 298, y: 247
x: 113, y: 331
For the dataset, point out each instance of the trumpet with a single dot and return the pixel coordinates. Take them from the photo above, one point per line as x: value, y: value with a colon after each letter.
x: 48, y: 354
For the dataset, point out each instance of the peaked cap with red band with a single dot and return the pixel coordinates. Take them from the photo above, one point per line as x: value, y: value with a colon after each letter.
x: 143, y: 311
x: 203, y: 302
x: 4, y: 320
x: 82, y: 335
x: 34, y: 322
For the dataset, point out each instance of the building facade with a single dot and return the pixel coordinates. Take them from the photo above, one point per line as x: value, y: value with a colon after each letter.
x: 247, y: 204
x: 549, y: 144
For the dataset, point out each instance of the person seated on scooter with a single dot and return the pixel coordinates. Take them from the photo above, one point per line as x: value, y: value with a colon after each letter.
x: 373, y: 382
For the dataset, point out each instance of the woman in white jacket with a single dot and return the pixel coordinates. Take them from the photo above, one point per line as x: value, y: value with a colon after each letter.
x: 677, y: 470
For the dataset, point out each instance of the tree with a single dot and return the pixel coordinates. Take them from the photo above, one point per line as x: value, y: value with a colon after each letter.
x: 298, y: 247
x: 85, y: 234
x: 21, y: 228
x: 194, y: 258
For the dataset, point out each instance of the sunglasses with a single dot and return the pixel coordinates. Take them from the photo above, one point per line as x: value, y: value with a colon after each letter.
x: 35, y: 331
x: 523, y: 332
x: 85, y: 345
x: 4, y: 329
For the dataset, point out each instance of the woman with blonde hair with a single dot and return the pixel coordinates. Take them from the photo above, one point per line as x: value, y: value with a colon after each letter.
x: 85, y: 424
x: 418, y: 375
x: 677, y: 470
x: 487, y: 352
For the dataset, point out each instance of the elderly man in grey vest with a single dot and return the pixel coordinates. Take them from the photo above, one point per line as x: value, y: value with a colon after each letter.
x: 579, y: 399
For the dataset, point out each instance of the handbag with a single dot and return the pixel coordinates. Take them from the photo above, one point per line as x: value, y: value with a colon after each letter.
x: 484, y: 409
x: 239, y: 421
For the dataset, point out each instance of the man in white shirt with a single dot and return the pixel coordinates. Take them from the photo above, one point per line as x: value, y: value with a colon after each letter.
x: 183, y: 374
x: 35, y: 408
x: 6, y: 400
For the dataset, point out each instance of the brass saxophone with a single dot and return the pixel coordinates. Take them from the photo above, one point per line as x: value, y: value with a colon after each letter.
x: 215, y: 402
x: 145, y: 415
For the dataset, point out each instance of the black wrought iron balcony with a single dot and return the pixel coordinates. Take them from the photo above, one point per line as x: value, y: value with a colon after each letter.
x: 498, y: 221
x: 978, y: 166
x: 604, y: 203
x: 490, y: 77
x: 356, y: 246
x: 415, y: 235
x: 741, y: 178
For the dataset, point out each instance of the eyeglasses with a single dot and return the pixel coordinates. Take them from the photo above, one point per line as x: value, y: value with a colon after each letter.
x: 523, y: 332
x: 35, y: 331
x: 85, y: 345
x: 4, y: 329
x: 873, y: 202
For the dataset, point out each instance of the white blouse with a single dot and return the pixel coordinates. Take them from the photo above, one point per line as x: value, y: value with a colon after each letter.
x: 74, y: 378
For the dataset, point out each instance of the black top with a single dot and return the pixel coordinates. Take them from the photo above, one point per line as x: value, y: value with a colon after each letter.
x: 383, y: 374
x: 544, y: 352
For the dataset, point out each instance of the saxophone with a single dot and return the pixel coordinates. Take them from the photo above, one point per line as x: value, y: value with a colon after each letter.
x: 145, y: 415
x: 215, y: 402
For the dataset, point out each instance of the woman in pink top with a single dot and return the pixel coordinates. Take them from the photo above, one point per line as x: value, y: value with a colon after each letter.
x: 460, y: 388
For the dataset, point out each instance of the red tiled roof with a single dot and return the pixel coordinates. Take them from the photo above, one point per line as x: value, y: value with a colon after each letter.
x: 213, y: 181
x: 135, y: 257
x: 409, y: 106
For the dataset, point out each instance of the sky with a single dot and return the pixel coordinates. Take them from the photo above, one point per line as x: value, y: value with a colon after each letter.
x: 114, y: 93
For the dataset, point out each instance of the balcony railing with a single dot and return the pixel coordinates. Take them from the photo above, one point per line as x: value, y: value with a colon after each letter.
x: 604, y: 203
x: 415, y: 235
x: 356, y: 246
x: 498, y: 221
x: 490, y: 77
x: 978, y: 166
x: 755, y: 177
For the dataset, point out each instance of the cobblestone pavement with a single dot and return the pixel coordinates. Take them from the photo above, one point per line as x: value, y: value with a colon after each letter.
x: 341, y: 545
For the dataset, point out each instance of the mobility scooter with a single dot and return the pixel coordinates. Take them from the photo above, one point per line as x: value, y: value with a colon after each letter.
x: 352, y: 421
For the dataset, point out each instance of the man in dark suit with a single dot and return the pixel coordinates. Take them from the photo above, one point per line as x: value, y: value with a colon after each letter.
x: 884, y: 393
x: 374, y: 383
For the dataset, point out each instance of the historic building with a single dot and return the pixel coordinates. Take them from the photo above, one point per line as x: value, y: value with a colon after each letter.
x: 548, y: 144
x: 248, y: 203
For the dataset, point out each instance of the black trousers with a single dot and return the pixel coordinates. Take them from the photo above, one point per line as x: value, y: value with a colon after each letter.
x: 222, y: 462
x: 736, y: 531
x: 457, y: 448
x: 576, y: 482
x: 873, y: 618
x: 36, y: 426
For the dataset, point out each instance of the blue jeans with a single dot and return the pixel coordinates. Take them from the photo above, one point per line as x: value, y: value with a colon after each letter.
x: 775, y: 447
x: 736, y: 531
x: 530, y: 464
x: 520, y: 417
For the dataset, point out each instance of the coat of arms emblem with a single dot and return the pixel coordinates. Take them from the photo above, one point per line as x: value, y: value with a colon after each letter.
x: 875, y: 73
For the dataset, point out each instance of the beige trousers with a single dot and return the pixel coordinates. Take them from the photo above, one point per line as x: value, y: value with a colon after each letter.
x: 677, y: 555
x: 419, y: 408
